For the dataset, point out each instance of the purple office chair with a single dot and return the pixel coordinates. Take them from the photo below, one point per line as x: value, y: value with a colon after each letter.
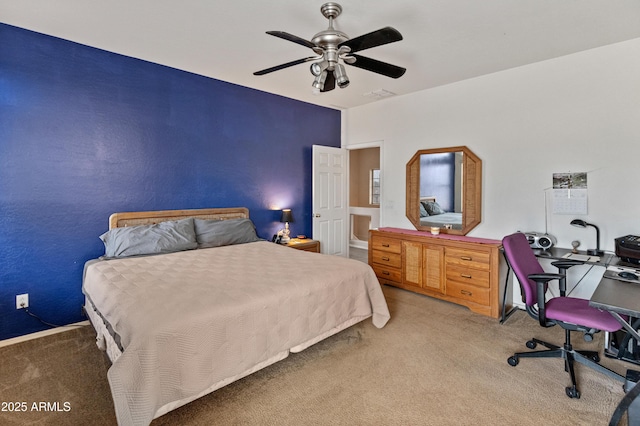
x: 570, y: 313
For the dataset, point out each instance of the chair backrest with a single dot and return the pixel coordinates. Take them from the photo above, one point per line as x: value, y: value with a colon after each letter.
x: 524, y: 263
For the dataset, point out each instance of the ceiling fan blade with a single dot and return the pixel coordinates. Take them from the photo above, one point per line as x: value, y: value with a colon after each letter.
x: 283, y: 66
x: 293, y: 38
x: 329, y: 83
x: 376, y: 38
x: 379, y: 67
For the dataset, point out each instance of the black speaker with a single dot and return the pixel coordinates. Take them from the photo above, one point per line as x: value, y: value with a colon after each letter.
x: 539, y: 240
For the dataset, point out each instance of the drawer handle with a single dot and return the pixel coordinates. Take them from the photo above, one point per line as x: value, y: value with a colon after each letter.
x: 385, y: 258
x: 385, y: 245
x: 465, y: 275
x: 466, y: 293
x: 466, y: 258
x: 385, y: 273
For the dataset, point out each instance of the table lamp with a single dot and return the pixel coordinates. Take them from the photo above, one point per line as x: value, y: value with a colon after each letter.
x: 582, y: 224
x: 286, y: 218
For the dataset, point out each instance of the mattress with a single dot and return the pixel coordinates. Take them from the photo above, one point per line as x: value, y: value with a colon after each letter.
x: 441, y: 220
x: 188, y: 323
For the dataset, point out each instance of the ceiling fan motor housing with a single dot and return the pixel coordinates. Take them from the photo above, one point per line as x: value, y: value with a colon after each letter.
x: 329, y: 39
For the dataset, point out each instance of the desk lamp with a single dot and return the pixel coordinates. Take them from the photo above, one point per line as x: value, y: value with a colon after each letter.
x: 286, y: 218
x: 582, y: 224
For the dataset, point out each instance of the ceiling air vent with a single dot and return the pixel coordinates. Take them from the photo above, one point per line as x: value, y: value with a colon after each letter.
x: 379, y: 94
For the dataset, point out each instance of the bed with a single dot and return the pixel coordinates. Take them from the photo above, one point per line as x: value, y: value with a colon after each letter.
x: 431, y: 214
x: 178, y: 325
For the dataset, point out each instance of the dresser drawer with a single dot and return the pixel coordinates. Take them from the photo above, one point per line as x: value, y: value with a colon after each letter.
x: 468, y: 292
x: 467, y: 258
x: 465, y: 276
x: 387, y: 274
x: 393, y: 260
x: 391, y: 245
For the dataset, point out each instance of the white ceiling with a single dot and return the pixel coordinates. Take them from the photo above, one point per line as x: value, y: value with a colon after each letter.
x: 444, y: 40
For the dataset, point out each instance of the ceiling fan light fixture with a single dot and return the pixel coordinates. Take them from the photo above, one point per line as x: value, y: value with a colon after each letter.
x: 318, y: 67
x: 342, y: 80
x: 318, y: 82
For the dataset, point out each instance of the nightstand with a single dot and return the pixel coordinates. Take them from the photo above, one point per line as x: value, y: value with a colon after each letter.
x: 307, y: 244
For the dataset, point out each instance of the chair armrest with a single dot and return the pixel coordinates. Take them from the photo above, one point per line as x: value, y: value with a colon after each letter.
x: 563, y: 265
x: 545, y: 277
x: 541, y: 282
x: 567, y: 263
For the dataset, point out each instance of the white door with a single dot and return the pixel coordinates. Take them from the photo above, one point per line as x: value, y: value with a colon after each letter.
x: 330, y: 209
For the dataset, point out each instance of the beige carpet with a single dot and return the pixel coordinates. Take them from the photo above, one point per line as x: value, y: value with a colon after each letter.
x: 434, y: 363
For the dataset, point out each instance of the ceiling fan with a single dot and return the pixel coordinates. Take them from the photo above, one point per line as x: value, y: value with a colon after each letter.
x: 333, y: 47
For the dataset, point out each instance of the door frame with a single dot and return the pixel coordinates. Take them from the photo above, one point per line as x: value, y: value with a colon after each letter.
x: 352, y: 147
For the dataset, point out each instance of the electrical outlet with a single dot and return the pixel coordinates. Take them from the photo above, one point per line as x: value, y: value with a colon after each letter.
x: 22, y: 301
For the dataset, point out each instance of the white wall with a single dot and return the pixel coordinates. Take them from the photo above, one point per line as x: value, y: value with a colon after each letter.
x: 577, y: 113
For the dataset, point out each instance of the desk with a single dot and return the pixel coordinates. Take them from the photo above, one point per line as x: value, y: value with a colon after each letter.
x: 556, y: 253
x: 618, y: 297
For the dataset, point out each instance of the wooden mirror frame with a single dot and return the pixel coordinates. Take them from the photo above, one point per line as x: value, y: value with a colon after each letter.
x: 471, y: 192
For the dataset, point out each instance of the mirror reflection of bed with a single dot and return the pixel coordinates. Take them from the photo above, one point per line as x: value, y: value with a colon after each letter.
x: 441, y: 189
x: 432, y: 214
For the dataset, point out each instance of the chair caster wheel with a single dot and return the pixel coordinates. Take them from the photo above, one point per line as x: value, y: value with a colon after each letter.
x: 572, y: 392
x: 531, y: 344
x: 513, y: 361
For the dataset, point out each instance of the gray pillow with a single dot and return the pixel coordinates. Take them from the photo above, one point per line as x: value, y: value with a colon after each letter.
x: 433, y: 208
x: 163, y: 237
x: 216, y: 233
x: 423, y: 211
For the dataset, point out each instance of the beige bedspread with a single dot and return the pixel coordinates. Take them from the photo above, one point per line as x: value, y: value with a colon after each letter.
x: 194, y: 321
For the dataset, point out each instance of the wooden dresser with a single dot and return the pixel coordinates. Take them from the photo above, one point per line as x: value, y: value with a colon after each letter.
x: 464, y: 270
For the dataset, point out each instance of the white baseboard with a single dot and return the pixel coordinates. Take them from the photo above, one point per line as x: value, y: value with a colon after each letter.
x: 43, y: 333
x: 359, y: 244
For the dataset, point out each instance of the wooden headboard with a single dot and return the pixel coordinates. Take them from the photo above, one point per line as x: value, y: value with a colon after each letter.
x: 120, y: 220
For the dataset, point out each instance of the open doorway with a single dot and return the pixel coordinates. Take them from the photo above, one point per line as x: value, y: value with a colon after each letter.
x: 364, y: 197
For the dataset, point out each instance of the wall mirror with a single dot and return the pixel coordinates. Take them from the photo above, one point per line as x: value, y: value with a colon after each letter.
x: 444, y: 190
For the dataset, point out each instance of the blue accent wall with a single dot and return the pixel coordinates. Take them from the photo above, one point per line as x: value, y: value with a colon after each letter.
x: 85, y: 133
